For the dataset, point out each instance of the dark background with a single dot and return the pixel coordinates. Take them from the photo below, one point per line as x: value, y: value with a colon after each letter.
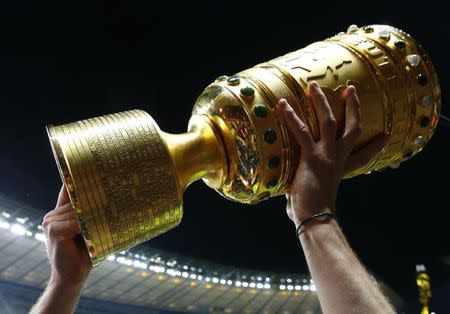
x: 69, y: 61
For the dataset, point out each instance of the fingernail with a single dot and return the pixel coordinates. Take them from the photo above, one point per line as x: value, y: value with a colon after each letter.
x: 351, y: 89
x: 282, y: 103
x: 314, y: 84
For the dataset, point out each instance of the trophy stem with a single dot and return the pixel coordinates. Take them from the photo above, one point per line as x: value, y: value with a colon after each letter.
x: 198, y: 154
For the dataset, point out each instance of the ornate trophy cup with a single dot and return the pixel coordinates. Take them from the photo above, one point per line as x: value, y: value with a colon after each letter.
x: 126, y: 177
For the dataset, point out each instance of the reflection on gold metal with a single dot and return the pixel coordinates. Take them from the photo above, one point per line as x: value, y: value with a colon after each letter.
x: 424, y: 286
x: 126, y: 177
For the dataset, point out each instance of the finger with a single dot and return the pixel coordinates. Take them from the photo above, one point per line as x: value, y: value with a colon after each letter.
x: 325, y: 117
x: 364, y: 155
x: 63, y: 217
x: 352, y: 122
x: 63, y: 197
x: 67, y: 229
x: 299, y: 129
x: 66, y: 208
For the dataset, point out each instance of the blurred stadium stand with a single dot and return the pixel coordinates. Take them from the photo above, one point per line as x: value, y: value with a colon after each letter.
x: 142, y: 280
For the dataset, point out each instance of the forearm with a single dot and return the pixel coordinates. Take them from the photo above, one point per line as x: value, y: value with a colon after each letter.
x: 343, y: 285
x: 58, y: 298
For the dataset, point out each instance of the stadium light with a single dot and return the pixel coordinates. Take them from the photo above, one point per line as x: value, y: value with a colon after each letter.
x: 4, y: 224
x: 39, y: 236
x: 18, y: 229
x: 21, y: 220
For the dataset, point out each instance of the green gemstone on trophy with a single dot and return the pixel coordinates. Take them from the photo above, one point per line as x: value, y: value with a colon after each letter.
x: 221, y: 78
x: 271, y: 183
x: 260, y: 110
x: 274, y: 162
x: 270, y: 136
x: 422, y: 79
x: 233, y: 80
x: 247, y: 91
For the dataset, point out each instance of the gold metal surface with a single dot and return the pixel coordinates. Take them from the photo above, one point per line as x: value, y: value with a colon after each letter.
x: 126, y: 177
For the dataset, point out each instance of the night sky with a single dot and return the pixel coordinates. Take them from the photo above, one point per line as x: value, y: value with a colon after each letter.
x: 70, y: 61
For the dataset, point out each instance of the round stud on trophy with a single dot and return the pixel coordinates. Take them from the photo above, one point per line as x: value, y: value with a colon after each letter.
x: 126, y: 177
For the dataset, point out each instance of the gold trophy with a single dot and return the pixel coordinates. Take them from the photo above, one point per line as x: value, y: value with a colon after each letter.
x: 126, y: 177
x: 424, y: 287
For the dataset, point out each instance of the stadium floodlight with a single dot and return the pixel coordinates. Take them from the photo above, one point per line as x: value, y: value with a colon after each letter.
x: 229, y: 282
x: 305, y: 287
x: 185, y: 274
x: 290, y: 287
x: 124, y: 261
x: 18, y: 229
x: 215, y: 280
x: 193, y: 276
x: 200, y: 277
x: 313, y: 288
x: 6, y: 215
x: 238, y: 283
x: 282, y: 287
x: 259, y: 285
x: 223, y: 281
x: 21, y: 220
x: 252, y: 285
x: 139, y: 264
x: 298, y: 287
x: 4, y: 224
x: 289, y: 280
x: 208, y: 279
x: 111, y: 257
x: 157, y: 269
x: 267, y: 279
x: 40, y: 237
x: 266, y: 286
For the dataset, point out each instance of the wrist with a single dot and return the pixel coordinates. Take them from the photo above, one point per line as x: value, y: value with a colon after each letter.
x: 320, y: 231
x: 68, y: 285
x: 313, y: 219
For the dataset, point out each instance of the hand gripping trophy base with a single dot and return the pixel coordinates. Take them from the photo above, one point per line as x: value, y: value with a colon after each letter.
x: 126, y: 177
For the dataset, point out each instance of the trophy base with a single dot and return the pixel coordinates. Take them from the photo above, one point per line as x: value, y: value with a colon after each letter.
x: 120, y: 178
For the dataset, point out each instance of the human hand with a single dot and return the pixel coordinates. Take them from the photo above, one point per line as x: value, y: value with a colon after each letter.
x: 324, y: 162
x: 68, y: 256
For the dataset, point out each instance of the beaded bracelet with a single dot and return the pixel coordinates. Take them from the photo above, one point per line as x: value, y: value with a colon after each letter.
x: 313, y: 217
